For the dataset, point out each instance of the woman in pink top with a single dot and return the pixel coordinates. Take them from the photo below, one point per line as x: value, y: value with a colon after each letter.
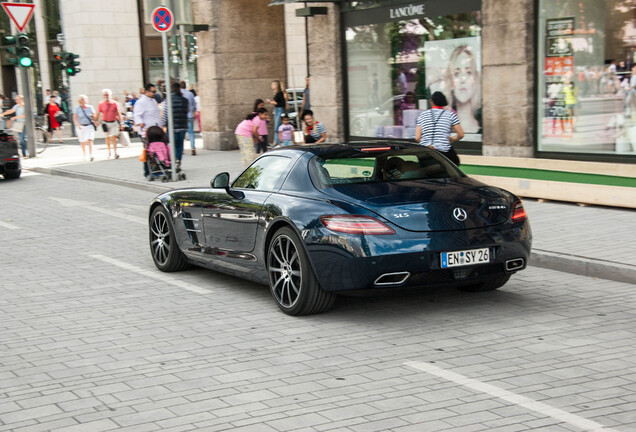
x: 246, y: 132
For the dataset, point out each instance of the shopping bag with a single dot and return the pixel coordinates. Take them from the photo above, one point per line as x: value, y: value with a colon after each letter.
x: 142, y: 156
x: 125, y: 138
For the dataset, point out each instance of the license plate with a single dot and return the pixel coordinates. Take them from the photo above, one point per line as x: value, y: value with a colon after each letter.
x: 467, y: 257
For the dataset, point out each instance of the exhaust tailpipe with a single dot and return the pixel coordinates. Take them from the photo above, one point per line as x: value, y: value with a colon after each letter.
x: 515, y: 264
x: 396, y: 278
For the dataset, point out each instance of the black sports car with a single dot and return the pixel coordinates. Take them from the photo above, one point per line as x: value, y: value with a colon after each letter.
x: 312, y: 221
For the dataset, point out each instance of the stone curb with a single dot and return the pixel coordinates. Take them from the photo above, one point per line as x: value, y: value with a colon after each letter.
x: 583, y: 266
x: 538, y: 258
x: 150, y: 187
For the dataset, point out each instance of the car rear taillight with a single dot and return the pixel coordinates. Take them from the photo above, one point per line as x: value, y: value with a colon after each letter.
x: 518, y: 212
x: 355, y: 224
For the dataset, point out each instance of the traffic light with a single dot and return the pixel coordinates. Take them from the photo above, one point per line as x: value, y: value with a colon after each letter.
x: 60, y: 58
x: 72, y: 64
x: 23, y: 51
x: 9, y: 43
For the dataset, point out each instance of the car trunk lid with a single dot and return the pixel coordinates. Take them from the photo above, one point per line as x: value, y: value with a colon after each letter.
x: 430, y: 205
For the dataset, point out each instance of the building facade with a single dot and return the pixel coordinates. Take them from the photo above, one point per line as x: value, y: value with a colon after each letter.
x: 527, y: 78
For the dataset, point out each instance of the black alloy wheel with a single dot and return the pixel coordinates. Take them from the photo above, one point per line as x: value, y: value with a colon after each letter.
x: 291, y: 279
x: 163, y: 246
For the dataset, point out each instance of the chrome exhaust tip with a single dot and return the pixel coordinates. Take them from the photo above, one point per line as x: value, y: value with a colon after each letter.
x: 515, y: 264
x: 396, y: 278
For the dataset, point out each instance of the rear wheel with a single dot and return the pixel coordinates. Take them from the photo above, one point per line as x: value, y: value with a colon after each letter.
x: 291, y: 279
x: 12, y: 175
x: 163, y: 245
x: 488, y: 285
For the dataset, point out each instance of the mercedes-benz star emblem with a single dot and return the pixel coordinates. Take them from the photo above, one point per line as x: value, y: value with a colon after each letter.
x: 459, y: 214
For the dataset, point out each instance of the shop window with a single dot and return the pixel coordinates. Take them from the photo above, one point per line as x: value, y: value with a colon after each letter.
x: 587, y: 76
x: 396, y: 61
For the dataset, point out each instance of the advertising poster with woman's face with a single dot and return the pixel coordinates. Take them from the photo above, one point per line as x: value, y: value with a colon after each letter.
x: 453, y: 66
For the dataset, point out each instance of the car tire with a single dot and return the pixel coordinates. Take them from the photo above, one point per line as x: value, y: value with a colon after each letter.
x: 163, y: 245
x: 292, y: 281
x: 489, y: 285
x: 12, y: 175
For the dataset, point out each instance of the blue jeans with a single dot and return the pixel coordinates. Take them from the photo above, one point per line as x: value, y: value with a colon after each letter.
x: 191, y: 131
x: 277, y: 121
x: 23, y: 142
x: 179, y: 137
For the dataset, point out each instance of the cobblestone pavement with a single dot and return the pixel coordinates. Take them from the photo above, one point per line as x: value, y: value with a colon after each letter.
x: 94, y: 338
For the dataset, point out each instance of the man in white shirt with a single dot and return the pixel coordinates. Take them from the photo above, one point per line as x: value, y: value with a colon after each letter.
x: 146, y: 110
x: 146, y: 113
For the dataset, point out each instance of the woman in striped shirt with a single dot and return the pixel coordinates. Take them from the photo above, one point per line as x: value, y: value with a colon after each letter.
x: 434, y: 127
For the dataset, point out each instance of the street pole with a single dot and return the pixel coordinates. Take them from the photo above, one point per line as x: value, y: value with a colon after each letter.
x: 183, y: 46
x: 28, y: 110
x: 166, y: 71
x: 174, y: 34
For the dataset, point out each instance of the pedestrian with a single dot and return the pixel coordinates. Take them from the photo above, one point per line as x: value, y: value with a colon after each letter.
x: 108, y: 113
x: 434, y: 128
x: 258, y: 103
x: 161, y: 91
x: 18, y: 121
x: 50, y: 110
x: 55, y: 96
x: 47, y: 97
x: 197, y: 101
x: 260, y: 128
x: 146, y: 113
x: 84, y: 117
x: 246, y: 135
x: 315, y: 132
x: 279, y: 106
x: 306, y: 104
x: 180, y: 109
x: 286, y: 132
x: 192, y: 109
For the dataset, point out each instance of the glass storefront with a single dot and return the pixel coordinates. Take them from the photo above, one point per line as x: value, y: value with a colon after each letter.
x: 587, y: 76
x: 397, y: 55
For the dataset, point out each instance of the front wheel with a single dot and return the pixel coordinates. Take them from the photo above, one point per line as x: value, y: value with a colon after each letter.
x: 163, y: 245
x: 291, y: 279
x: 489, y: 285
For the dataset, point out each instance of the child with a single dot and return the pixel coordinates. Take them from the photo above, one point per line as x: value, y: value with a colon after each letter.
x: 260, y: 121
x: 286, y: 132
x: 157, y: 144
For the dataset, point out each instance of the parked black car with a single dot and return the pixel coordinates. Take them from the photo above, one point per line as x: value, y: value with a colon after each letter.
x: 313, y: 221
x: 10, y: 166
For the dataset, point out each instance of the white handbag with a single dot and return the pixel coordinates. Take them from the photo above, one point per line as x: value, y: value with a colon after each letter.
x: 125, y: 138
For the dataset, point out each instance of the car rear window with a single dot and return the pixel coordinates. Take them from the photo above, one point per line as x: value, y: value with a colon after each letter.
x: 385, y: 166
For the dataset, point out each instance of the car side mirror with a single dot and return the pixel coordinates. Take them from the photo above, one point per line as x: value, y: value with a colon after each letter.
x: 222, y: 181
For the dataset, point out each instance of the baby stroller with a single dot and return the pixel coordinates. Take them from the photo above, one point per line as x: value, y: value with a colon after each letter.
x: 158, y: 159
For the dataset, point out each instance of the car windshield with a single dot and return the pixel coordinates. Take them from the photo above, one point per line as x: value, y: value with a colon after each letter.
x: 384, y: 165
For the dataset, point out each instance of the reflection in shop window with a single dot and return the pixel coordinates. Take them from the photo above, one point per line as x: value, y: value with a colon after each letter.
x: 393, y: 68
x: 587, y: 79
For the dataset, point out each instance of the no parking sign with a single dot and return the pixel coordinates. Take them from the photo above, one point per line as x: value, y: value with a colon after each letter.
x: 162, y: 19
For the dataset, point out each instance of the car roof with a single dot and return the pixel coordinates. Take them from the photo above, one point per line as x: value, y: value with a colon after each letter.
x: 354, y: 147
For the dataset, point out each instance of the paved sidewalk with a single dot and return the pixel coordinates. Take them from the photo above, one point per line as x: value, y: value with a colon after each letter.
x: 592, y: 241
